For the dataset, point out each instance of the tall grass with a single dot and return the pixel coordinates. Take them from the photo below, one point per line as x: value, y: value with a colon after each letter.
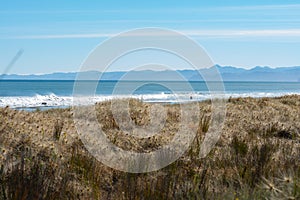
x: 256, y: 158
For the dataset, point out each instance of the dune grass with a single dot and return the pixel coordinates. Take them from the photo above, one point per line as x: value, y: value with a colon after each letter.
x: 257, y: 156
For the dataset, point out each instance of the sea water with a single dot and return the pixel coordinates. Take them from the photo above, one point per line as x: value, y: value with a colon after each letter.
x: 57, y: 93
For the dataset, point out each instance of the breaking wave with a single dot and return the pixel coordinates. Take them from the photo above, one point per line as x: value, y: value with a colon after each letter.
x: 53, y: 100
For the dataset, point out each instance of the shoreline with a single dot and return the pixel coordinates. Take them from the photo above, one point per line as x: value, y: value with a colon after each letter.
x: 190, y: 99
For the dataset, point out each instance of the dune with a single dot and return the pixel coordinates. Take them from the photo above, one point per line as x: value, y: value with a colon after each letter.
x: 257, y: 155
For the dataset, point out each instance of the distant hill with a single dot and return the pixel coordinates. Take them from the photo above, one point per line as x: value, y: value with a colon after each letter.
x: 228, y: 73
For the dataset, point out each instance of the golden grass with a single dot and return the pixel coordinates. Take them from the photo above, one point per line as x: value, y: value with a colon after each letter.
x: 257, y: 156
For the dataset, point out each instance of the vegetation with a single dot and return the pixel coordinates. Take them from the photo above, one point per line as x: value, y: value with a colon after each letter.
x: 257, y: 156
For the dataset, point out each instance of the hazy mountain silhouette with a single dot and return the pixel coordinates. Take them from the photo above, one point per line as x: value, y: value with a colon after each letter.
x: 228, y: 73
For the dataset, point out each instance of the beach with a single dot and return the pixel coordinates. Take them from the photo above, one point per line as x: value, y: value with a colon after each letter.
x: 150, y: 100
x: 257, y: 155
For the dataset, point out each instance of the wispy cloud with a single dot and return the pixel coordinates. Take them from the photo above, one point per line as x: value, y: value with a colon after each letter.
x: 169, y: 10
x: 245, y: 33
x: 176, y: 21
x: 62, y: 36
x: 192, y: 32
x: 260, y: 7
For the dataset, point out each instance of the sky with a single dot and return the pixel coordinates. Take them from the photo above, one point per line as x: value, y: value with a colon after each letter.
x: 38, y: 37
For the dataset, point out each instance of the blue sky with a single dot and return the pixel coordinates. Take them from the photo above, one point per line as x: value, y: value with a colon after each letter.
x: 58, y: 35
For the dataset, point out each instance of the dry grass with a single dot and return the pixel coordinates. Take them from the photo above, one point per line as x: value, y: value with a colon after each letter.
x: 257, y: 156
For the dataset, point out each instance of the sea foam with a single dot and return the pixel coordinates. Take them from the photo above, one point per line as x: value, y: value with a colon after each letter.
x: 53, y: 100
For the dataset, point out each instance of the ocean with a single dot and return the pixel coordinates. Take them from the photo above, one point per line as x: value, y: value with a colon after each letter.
x: 34, y: 94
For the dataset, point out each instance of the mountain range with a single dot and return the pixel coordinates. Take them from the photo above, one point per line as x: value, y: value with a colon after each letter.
x: 228, y: 73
